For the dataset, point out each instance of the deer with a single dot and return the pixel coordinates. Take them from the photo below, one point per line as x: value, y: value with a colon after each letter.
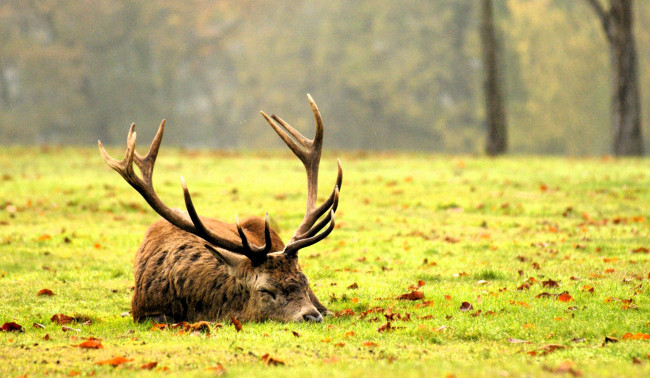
x: 194, y: 268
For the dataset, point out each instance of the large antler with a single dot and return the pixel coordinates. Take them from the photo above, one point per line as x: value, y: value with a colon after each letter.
x: 144, y: 186
x: 309, y: 152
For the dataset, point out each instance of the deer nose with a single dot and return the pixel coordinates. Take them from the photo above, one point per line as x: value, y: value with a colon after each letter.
x: 312, y: 317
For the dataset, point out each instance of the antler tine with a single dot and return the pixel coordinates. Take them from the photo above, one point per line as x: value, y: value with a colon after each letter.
x: 299, y: 152
x: 146, y: 163
x: 253, y: 251
x: 200, y: 229
x: 320, y: 210
x: 292, y: 248
x: 323, y: 222
x: 125, y: 166
x: 318, y: 138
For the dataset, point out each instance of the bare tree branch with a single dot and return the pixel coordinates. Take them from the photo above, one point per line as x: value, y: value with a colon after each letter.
x: 598, y: 8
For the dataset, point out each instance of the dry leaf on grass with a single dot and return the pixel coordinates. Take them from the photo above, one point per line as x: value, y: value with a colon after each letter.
x: 115, y: 361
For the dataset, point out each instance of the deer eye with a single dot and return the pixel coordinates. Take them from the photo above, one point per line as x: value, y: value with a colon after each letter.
x: 267, y: 292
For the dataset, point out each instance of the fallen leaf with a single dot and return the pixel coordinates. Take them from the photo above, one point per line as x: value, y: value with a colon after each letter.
x: 218, y: 369
x: 370, y: 344
x: 296, y: 334
x: 550, y: 348
x: 610, y: 339
x: 149, y: 365
x: 236, y: 323
x: 12, y: 327
x: 641, y: 250
x: 91, y: 343
x: 528, y: 326
x: 115, y: 361
x: 565, y: 367
x: 346, y: 312
x: 466, y: 306
x: 270, y: 361
x: 354, y: 286
x: 636, y: 336
x: 38, y: 325
x: 384, y: 328
x: 519, y: 303
x: 550, y: 283
x: 424, y: 304
x: 412, y: 296
x: 62, y: 319
x: 66, y: 328
x: 565, y: 297
x: 517, y: 341
x: 45, y: 292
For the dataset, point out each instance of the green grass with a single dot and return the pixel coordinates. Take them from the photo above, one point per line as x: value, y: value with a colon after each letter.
x: 473, y: 229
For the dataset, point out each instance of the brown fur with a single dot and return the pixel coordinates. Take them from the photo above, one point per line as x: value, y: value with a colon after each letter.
x: 178, y: 278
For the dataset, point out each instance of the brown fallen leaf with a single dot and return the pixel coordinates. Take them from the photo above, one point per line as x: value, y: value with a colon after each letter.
x: 296, y: 334
x: 354, y: 286
x: 641, y: 250
x: 12, y: 327
x: 91, y: 343
x: 384, y: 328
x: 424, y: 304
x: 270, y: 361
x: 236, y: 323
x: 346, y: 312
x: 517, y: 341
x: 218, y: 369
x: 62, y: 319
x: 149, y: 365
x: 115, y: 361
x: 550, y: 348
x: 610, y: 339
x: 66, y: 329
x: 38, y: 326
x: 550, y: 283
x: 370, y: 344
x: 412, y: 296
x: 466, y: 306
x: 564, y: 367
x: 45, y: 292
x: 565, y: 297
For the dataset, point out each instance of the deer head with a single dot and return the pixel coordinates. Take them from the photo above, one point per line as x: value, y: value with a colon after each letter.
x: 261, y: 274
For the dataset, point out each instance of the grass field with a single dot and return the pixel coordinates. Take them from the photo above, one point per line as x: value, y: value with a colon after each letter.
x: 551, y: 253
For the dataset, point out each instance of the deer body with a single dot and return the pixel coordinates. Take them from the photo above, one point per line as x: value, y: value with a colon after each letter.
x: 191, y: 268
x: 178, y: 278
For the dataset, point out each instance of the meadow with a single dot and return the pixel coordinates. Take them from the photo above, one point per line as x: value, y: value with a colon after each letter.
x: 438, y: 266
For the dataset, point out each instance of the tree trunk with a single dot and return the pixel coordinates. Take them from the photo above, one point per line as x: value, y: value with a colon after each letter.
x: 626, y: 105
x: 494, y: 104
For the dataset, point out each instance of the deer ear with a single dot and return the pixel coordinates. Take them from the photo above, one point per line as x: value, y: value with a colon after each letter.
x: 232, y: 260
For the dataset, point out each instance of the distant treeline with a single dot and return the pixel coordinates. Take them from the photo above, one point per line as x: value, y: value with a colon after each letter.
x: 390, y: 74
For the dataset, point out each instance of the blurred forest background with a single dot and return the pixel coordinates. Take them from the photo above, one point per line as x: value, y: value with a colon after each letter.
x: 390, y: 74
